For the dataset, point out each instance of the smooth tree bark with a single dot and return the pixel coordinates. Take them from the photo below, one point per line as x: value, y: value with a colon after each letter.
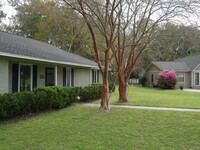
x: 127, y: 27
x: 97, y: 17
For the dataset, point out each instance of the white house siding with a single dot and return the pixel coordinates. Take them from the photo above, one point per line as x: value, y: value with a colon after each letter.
x: 188, y: 83
x: 10, y: 78
x: 41, y: 75
x: 100, y: 77
x: 60, y: 76
x: 82, y: 77
x: 152, y: 70
x: 187, y: 80
x: 4, y: 76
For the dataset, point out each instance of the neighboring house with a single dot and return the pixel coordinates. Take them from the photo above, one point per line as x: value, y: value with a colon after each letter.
x: 26, y: 64
x: 187, y: 70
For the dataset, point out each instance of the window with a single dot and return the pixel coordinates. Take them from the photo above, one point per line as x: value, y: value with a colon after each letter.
x: 95, y: 76
x: 196, y: 78
x: 180, y: 77
x: 50, y: 77
x: 152, y: 78
x: 25, y: 77
x: 68, y: 77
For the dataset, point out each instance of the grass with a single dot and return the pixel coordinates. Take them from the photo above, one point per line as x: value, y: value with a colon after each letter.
x: 140, y: 96
x: 86, y: 128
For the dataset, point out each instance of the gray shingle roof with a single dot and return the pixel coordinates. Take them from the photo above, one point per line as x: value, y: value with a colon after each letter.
x: 177, y: 66
x: 191, y: 61
x: 18, y: 45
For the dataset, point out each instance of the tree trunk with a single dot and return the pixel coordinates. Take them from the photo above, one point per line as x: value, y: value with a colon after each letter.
x: 122, y: 88
x: 104, y: 105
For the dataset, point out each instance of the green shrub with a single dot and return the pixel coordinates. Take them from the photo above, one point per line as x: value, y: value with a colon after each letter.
x: 14, y: 104
x: 43, y: 98
x: 90, y: 93
x: 143, y: 80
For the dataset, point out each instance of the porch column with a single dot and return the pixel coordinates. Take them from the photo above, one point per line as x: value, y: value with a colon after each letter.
x: 56, y: 75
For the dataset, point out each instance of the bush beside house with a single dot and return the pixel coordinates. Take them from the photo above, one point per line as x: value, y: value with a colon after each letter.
x: 45, y: 98
x: 167, y: 79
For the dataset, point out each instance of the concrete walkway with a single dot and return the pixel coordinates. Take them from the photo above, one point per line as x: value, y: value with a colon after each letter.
x: 191, y: 90
x: 144, y: 107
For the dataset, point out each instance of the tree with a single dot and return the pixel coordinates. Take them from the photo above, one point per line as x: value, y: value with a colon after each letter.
x: 175, y: 41
x: 49, y: 22
x: 128, y: 27
x: 2, y: 15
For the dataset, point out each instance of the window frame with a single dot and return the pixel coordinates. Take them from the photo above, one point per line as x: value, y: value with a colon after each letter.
x: 178, y: 77
x: 31, y: 75
x: 95, y: 76
x: 195, y: 78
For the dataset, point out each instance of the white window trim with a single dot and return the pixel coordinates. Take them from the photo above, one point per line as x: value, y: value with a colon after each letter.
x: 183, y: 77
x: 194, y: 78
x: 70, y: 82
x: 25, y: 64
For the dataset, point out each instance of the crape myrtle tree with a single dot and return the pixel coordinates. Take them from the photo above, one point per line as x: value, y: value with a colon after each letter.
x: 127, y: 27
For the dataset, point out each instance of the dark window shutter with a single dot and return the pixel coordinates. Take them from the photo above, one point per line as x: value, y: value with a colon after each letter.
x: 72, y: 77
x: 93, y: 80
x: 98, y: 76
x: 34, y: 76
x: 15, y: 74
x: 64, y: 76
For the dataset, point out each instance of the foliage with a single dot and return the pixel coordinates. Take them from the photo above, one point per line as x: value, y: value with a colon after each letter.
x: 127, y: 27
x: 171, y: 42
x: 167, y: 79
x: 90, y: 93
x: 175, y: 41
x: 43, y: 98
x: 143, y: 80
x: 46, y: 98
x: 49, y: 22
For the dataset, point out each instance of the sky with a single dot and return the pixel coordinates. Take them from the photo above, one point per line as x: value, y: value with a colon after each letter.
x: 7, y: 9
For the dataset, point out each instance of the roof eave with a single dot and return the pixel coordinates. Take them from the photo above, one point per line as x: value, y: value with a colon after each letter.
x: 45, y: 60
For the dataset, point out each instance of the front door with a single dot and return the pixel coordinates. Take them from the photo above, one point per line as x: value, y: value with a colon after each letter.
x: 25, y: 78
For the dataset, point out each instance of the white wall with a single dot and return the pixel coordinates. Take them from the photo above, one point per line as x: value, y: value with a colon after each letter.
x: 82, y: 77
x: 60, y: 76
x: 4, y: 75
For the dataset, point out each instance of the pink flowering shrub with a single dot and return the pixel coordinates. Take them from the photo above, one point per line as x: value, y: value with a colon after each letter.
x: 167, y: 79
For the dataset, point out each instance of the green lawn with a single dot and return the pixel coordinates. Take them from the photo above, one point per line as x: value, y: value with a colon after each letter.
x: 157, y: 97
x: 86, y: 128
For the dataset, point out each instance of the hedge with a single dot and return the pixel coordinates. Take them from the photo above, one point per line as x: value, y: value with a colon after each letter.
x: 90, y: 93
x: 45, y: 98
